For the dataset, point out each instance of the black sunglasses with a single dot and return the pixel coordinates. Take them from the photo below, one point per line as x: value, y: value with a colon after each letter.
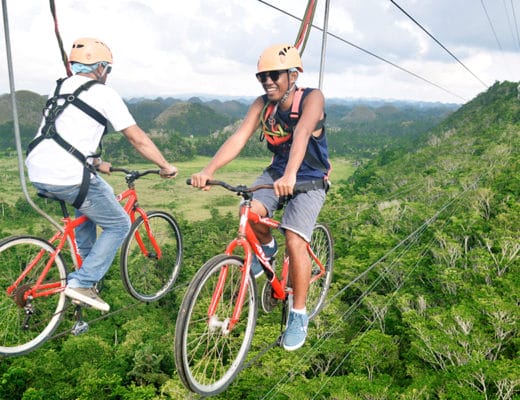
x: 274, y: 75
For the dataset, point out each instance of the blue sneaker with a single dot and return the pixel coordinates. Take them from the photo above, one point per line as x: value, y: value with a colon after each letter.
x: 296, y: 332
x: 269, y: 252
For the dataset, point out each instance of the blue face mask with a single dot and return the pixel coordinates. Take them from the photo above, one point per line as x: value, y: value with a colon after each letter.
x: 85, y: 68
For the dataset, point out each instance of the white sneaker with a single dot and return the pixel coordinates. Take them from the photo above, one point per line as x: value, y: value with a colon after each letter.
x: 88, y: 296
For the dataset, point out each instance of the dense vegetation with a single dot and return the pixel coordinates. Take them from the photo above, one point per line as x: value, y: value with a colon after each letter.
x: 425, y: 302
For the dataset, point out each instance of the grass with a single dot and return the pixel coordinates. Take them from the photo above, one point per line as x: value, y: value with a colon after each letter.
x: 173, y: 195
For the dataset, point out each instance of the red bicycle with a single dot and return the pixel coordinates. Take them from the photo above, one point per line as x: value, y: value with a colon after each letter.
x: 217, y: 318
x: 33, y: 271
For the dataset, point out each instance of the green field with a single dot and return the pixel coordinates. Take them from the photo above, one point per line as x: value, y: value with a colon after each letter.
x: 173, y: 194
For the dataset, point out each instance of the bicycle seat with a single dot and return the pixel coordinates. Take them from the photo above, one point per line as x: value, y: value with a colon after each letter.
x: 47, y: 195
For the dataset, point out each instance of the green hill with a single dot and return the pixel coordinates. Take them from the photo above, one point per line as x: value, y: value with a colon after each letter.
x: 430, y: 236
x: 356, y: 129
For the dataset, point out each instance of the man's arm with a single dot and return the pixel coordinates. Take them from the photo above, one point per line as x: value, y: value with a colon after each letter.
x: 146, y: 148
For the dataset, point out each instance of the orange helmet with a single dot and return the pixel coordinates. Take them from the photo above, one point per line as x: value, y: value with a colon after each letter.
x: 279, y: 57
x: 90, y: 51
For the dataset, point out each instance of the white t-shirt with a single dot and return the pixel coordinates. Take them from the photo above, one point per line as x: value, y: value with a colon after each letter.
x: 48, y: 162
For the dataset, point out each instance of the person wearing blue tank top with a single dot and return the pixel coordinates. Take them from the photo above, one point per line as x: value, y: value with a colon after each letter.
x: 291, y: 120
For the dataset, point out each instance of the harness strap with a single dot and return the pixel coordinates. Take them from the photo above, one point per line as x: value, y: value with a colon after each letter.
x: 51, y: 112
x: 295, y: 108
x: 304, y: 186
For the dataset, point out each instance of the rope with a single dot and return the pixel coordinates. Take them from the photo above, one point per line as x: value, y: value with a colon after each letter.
x: 58, y: 37
x: 305, y: 27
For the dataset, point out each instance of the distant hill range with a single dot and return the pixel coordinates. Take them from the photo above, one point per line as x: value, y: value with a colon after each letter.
x: 349, y: 122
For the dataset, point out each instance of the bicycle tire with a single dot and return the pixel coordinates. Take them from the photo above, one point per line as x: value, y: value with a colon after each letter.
x: 146, y: 277
x: 19, y: 335
x: 207, y: 357
x: 323, y: 247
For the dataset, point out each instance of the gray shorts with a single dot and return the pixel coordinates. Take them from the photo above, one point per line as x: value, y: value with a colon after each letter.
x: 300, y: 213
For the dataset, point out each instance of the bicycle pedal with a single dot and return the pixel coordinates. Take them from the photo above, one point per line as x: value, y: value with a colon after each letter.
x: 79, y: 328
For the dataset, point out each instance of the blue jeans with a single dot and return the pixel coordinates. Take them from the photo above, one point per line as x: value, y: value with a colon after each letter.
x: 103, y: 210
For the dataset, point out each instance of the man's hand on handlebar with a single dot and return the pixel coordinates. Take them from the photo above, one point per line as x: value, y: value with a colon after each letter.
x: 170, y: 172
x: 199, y: 180
x: 104, y: 167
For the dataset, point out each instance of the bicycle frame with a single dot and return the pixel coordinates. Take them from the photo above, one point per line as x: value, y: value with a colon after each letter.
x: 247, y: 240
x: 59, y: 239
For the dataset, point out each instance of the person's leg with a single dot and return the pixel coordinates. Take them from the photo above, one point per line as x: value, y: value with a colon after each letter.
x: 102, y: 208
x: 300, y: 268
x: 85, y: 236
x: 298, y: 222
x: 264, y: 204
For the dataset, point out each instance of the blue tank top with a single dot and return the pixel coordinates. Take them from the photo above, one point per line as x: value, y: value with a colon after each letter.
x: 316, y: 162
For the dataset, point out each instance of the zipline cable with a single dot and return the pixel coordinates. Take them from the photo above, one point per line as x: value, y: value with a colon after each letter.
x: 369, y: 53
x: 516, y: 24
x: 506, y: 12
x: 438, y: 42
x: 16, y: 121
x: 359, y: 300
x: 324, y: 43
x: 410, y: 240
x: 491, y: 25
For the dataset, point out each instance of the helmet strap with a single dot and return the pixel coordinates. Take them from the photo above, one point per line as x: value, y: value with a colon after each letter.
x: 293, y: 86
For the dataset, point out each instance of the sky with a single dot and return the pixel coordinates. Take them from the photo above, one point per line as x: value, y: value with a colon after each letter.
x: 373, y: 50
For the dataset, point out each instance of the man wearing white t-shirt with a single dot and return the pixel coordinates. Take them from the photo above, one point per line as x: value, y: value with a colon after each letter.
x: 62, y: 160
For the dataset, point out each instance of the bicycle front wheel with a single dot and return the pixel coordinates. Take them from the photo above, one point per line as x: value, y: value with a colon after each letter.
x: 151, y: 256
x: 322, y: 247
x: 208, y: 353
x: 27, y: 322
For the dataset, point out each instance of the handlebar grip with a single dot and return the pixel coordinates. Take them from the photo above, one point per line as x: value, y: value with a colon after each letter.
x: 188, y: 181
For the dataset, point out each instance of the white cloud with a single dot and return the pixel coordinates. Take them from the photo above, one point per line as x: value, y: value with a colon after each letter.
x: 171, y: 48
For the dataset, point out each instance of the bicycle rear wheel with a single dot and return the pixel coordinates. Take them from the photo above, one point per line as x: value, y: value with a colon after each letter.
x: 322, y: 246
x: 148, y: 276
x: 208, y: 356
x: 26, y: 324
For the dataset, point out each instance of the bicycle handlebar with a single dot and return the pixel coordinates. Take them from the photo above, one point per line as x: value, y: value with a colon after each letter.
x: 237, y: 189
x: 131, y: 176
x: 138, y: 173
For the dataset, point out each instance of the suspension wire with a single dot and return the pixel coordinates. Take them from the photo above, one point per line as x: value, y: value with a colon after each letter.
x: 410, y: 240
x: 347, y: 315
x: 491, y: 25
x: 58, y: 37
x: 506, y: 11
x: 394, y: 293
x: 361, y: 333
x: 438, y: 42
x: 516, y: 24
x: 369, y: 53
x: 16, y: 121
x: 324, y: 43
x: 414, y: 236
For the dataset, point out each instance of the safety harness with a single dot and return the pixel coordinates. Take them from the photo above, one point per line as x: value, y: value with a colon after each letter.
x: 277, y: 132
x: 51, y: 112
